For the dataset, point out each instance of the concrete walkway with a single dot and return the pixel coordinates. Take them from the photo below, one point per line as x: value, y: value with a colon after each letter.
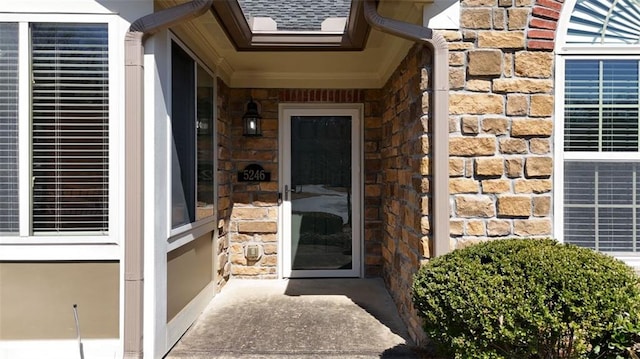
x: 298, y: 318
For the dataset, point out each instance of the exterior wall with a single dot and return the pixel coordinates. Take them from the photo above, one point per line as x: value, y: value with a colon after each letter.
x: 37, y: 298
x: 225, y: 173
x: 501, y: 108
x: 189, y: 271
x: 405, y: 164
x: 254, y: 215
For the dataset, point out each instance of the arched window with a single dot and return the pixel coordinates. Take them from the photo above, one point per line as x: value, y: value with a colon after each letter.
x: 597, y: 127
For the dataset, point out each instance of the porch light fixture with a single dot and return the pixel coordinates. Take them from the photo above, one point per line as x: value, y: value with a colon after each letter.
x: 251, y: 118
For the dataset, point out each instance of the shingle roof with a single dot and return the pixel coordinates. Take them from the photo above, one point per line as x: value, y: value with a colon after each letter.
x: 300, y: 15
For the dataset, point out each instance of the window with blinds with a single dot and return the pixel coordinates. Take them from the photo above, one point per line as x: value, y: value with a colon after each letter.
x: 70, y: 125
x: 601, y: 116
x: 601, y: 105
x: 601, y: 205
x: 9, y: 207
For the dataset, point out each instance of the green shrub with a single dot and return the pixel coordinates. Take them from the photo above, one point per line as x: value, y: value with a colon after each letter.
x: 528, y: 298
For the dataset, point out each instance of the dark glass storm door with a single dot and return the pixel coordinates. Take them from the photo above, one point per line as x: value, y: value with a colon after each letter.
x: 321, y: 192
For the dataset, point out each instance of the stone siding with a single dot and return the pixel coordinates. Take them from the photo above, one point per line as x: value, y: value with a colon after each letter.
x: 225, y: 167
x: 501, y: 108
x: 254, y: 215
x: 406, y: 175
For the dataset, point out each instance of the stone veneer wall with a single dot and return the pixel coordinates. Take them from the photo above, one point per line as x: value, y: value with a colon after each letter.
x: 406, y: 198
x: 501, y: 108
x: 225, y: 167
x: 254, y: 215
x: 501, y: 126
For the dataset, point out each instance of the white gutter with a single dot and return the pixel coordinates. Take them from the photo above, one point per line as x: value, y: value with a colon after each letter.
x: 134, y: 161
x: 440, y: 118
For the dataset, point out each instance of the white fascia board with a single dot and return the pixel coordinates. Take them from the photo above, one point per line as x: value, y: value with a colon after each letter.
x: 442, y: 15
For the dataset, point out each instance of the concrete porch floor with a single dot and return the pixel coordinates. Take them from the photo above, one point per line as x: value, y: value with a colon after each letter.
x: 298, y: 318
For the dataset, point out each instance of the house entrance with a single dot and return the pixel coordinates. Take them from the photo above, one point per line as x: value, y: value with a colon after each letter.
x: 321, y: 192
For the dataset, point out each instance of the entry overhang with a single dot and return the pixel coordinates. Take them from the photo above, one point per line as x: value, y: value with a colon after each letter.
x: 232, y: 19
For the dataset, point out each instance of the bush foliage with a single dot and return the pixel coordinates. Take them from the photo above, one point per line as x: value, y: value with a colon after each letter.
x: 529, y: 298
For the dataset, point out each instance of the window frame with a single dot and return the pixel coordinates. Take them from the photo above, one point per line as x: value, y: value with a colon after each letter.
x: 185, y: 233
x: 65, y: 243
x: 560, y: 155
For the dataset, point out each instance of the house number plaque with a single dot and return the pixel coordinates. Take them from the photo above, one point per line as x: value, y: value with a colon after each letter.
x: 254, y: 173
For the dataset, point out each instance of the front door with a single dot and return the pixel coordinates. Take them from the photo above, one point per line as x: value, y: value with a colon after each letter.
x: 321, y: 192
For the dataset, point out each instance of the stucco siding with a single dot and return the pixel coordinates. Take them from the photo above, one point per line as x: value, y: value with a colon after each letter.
x: 37, y: 298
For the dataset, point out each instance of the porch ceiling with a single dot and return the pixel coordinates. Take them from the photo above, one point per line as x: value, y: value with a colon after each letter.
x: 291, y: 68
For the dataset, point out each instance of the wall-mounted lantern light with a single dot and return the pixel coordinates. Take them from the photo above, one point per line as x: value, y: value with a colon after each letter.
x: 252, y: 125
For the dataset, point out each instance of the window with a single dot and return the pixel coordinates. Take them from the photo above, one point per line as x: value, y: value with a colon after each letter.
x: 192, y: 167
x: 599, y: 89
x: 601, y: 128
x: 9, y: 182
x: 68, y: 122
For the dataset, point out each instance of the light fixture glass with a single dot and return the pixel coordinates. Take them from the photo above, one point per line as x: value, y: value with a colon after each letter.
x: 251, y: 118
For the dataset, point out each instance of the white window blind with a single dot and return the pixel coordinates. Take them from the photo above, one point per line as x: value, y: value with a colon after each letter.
x: 601, y: 205
x: 9, y: 214
x: 601, y: 116
x: 601, y: 105
x: 70, y: 117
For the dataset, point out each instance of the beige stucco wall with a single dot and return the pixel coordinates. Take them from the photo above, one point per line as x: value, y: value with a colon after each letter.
x: 189, y: 270
x: 36, y: 300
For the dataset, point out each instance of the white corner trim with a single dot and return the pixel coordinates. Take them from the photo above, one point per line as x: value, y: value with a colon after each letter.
x: 60, y: 349
x: 442, y: 15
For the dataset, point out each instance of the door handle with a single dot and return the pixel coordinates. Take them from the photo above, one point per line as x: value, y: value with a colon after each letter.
x: 286, y: 194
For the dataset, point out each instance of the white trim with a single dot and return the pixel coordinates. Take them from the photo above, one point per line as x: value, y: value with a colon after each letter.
x: 25, y: 235
x: 59, y: 349
x: 62, y: 252
x: 632, y: 261
x: 602, y: 156
x: 24, y: 130
x: 155, y: 195
x: 355, y: 110
x: 562, y: 48
x: 184, y: 237
x: 117, y: 202
x: 558, y: 147
x: 560, y: 156
x: 63, y: 17
x: 562, y: 26
x: 57, y: 239
x: 441, y: 15
x: 183, y: 320
x: 597, y: 50
x: 598, y: 56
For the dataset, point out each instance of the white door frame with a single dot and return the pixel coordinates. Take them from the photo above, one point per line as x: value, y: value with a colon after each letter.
x: 286, y: 111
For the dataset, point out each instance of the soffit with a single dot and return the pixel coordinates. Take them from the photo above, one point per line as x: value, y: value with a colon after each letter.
x: 290, y: 68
